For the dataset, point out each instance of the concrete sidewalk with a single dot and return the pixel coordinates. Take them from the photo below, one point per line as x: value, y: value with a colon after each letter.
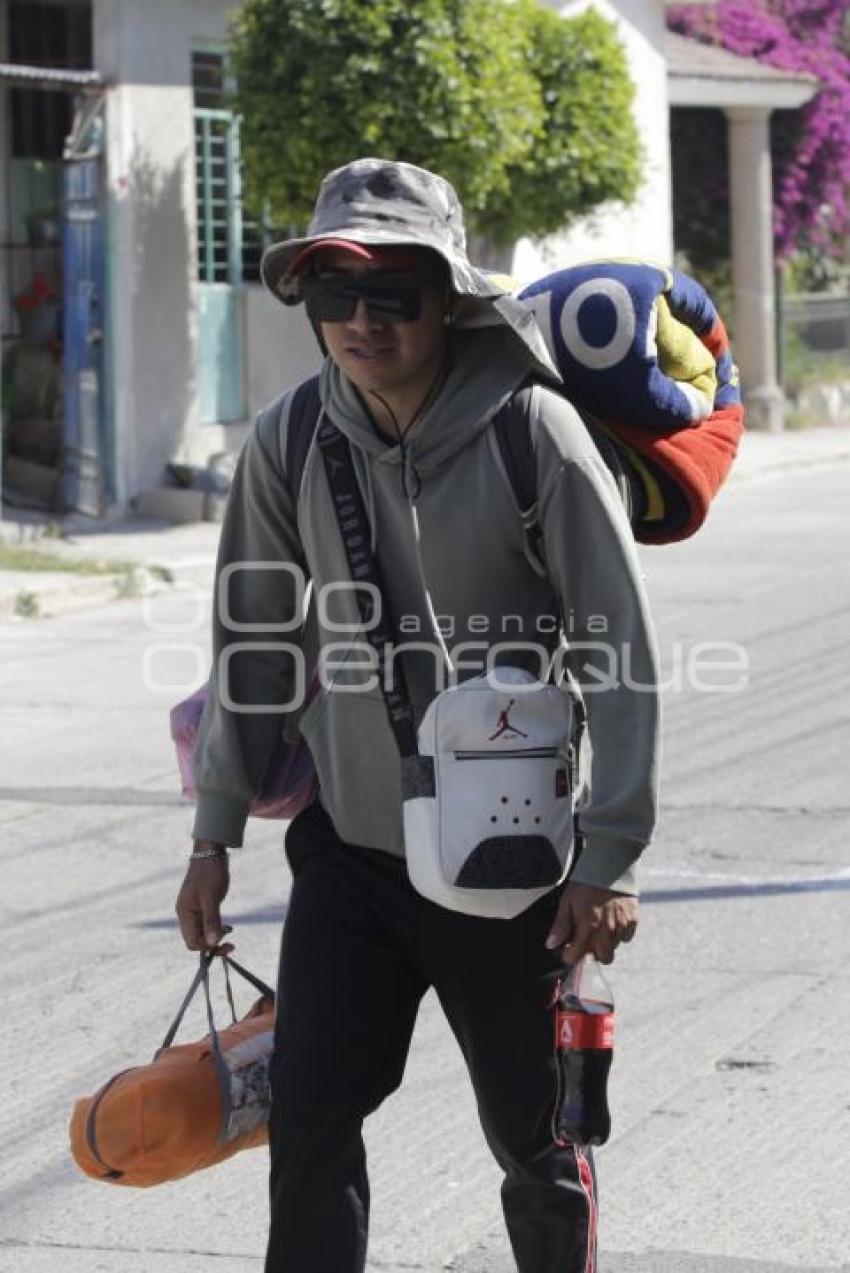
x: 147, y: 556
x: 151, y: 555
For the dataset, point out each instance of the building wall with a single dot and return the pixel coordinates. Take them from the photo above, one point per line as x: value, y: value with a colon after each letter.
x: 645, y: 228
x: 145, y: 50
x: 280, y: 346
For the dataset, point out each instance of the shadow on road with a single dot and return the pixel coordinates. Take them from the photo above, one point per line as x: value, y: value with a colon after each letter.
x: 273, y: 914
x: 770, y: 888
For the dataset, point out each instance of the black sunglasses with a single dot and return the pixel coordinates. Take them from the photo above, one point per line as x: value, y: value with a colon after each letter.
x: 390, y: 298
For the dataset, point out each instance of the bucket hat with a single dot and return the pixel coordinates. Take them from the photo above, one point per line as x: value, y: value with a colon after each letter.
x: 385, y: 203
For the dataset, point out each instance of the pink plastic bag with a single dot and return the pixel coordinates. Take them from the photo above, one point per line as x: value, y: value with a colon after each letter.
x: 290, y: 783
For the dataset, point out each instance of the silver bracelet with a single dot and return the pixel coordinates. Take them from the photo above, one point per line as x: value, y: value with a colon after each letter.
x: 214, y: 851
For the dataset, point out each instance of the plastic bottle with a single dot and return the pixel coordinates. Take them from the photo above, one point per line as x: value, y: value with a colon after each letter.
x: 583, y: 1005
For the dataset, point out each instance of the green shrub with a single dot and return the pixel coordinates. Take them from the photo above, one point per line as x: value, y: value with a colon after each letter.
x: 527, y: 114
x: 589, y: 152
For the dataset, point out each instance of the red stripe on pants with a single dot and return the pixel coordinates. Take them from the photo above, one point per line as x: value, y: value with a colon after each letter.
x: 585, y: 1176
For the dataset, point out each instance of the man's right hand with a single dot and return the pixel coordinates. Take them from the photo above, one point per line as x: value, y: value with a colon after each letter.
x: 199, y: 901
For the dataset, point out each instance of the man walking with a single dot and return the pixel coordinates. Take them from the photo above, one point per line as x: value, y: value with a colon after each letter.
x: 422, y: 351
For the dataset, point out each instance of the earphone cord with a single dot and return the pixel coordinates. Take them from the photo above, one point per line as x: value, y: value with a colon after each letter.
x: 412, y: 505
x: 402, y: 446
x: 401, y: 435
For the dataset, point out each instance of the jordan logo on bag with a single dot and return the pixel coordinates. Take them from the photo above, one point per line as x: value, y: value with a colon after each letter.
x: 505, y: 729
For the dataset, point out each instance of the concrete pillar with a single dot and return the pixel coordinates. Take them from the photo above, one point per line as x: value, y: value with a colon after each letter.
x: 753, y: 265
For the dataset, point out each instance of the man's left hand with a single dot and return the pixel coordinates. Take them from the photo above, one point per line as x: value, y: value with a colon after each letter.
x: 592, y: 921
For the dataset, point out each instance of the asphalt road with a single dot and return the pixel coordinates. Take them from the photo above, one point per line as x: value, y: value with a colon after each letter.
x: 730, y: 1088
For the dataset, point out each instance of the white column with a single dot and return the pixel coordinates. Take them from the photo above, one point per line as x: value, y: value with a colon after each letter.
x: 753, y: 265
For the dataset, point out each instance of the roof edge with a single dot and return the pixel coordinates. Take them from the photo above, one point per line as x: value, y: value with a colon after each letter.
x: 50, y: 77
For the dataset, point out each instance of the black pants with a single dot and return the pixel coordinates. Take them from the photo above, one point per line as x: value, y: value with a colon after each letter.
x: 360, y: 948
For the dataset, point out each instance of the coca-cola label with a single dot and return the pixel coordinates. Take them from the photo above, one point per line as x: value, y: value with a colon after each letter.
x: 575, y: 1030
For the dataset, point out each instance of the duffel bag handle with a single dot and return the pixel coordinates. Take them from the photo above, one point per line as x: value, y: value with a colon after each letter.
x: 258, y: 984
x: 201, y: 978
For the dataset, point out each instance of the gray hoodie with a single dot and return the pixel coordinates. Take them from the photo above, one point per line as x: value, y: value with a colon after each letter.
x: 472, y: 552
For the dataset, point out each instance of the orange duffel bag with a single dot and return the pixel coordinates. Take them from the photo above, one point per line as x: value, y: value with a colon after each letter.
x: 193, y: 1106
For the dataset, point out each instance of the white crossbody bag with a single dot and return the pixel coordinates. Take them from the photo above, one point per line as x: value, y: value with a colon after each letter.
x: 488, y: 808
x: 487, y: 778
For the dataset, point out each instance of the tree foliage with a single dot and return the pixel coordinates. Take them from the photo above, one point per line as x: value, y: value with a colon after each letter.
x: 527, y: 114
x: 589, y: 152
x: 811, y: 147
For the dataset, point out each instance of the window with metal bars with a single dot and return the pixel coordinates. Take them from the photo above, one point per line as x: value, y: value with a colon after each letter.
x: 229, y: 243
x: 53, y: 36
x: 49, y: 34
x: 216, y: 172
x: 216, y: 196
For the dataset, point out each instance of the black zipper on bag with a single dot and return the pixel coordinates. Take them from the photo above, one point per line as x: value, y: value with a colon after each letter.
x: 518, y: 753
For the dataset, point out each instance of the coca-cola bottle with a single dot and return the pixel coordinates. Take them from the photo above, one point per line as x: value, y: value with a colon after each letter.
x: 584, y: 1040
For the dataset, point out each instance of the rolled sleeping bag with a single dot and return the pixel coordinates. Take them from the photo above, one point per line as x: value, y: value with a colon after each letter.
x: 645, y: 356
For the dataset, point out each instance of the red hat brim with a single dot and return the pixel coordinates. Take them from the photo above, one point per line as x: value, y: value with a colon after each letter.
x: 398, y: 258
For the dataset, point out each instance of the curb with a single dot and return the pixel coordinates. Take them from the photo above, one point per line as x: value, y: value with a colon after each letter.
x: 47, y: 596
x: 750, y: 471
x: 762, y: 455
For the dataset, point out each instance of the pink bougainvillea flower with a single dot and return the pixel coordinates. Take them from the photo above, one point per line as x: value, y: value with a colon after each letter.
x: 812, y: 160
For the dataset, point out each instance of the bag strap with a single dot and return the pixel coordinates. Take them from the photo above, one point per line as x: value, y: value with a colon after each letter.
x: 171, y: 1032
x: 356, y: 538
x: 257, y: 982
x: 201, y: 978
x: 305, y: 408
x: 616, y: 459
x: 512, y: 427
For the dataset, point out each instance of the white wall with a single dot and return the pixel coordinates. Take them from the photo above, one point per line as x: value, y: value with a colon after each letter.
x: 145, y: 50
x: 280, y: 346
x: 280, y: 350
x: 645, y: 228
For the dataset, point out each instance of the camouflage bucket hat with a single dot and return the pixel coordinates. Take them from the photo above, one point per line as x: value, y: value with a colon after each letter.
x: 382, y: 203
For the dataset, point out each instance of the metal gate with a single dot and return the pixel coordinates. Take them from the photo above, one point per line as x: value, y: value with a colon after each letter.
x: 85, y: 486
x: 221, y: 356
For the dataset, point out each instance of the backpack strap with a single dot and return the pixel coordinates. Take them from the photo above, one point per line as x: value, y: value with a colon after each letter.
x: 627, y: 482
x: 512, y: 427
x: 305, y: 411
x: 514, y: 434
